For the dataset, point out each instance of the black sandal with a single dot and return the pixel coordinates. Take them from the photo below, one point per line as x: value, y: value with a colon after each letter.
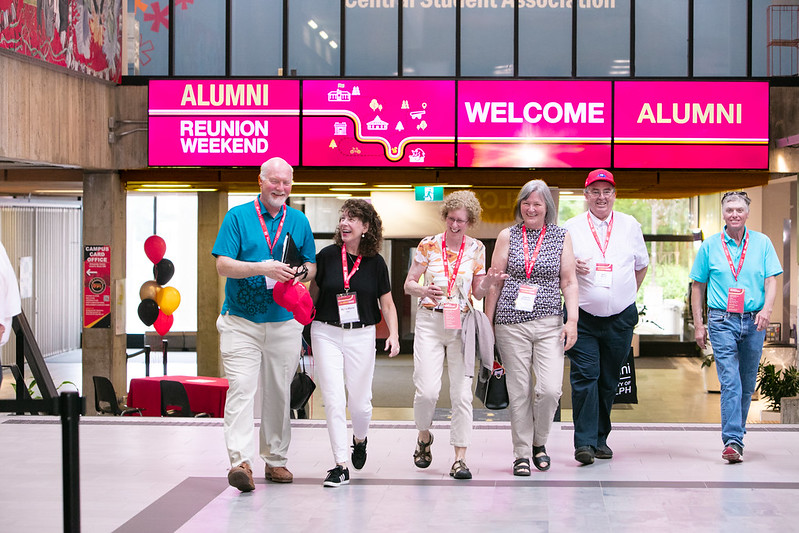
x: 422, y: 457
x: 521, y: 467
x: 540, y: 458
x: 459, y: 470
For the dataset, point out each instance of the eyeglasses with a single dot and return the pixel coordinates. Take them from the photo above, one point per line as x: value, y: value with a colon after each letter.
x: 457, y: 220
x: 605, y: 192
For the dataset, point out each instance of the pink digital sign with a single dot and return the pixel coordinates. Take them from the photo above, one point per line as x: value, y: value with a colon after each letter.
x: 521, y: 124
x: 223, y: 122
x: 691, y: 125
x: 402, y: 123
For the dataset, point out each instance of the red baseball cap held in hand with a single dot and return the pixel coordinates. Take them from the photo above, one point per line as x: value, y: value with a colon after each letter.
x: 295, y: 298
x: 599, y: 174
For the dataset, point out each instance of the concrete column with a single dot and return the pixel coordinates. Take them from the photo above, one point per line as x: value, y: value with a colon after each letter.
x: 211, y: 209
x: 104, y: 215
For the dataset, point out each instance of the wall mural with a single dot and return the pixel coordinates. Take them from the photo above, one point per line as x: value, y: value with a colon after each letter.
x: 82, y: 35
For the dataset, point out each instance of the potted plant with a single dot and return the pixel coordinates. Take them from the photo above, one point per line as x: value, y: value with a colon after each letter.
x: 775, y: 384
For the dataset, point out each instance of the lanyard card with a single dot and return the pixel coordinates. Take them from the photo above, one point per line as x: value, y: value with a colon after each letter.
x: 604, y: 274
x: 347, y: 308
x: 452, y: 315
x: 525, y: 301
x: 735, y: 300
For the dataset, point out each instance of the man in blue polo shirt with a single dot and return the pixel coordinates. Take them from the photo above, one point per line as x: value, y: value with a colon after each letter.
x: 739, y: 269
x: 257, y: 337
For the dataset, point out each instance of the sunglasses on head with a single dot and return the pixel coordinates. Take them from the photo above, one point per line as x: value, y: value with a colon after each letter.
x: 735, y: 193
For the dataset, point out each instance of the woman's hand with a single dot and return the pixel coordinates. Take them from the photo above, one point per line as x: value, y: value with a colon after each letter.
x: 392, y: 345
x: 433, y: 291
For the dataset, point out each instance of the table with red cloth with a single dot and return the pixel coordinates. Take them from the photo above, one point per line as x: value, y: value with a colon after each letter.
x: 206, y: 394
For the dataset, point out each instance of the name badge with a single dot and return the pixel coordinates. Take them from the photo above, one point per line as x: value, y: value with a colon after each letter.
x: 452, y: 315
x: 347, y: 308
x: 604, y: 275
x: 735, y: 300
x: 525, y: 300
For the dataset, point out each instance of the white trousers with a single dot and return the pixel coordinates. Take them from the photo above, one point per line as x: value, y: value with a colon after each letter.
x: 249, y: 350
x: 529, y: 348
x: 344, y: 358
x: 433, y: 344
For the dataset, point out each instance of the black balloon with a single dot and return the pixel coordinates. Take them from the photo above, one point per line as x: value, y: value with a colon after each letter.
x: 163, y: 271
x: 148, y: 311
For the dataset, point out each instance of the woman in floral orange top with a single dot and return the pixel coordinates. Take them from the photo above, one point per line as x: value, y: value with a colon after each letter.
x: 449, y: 281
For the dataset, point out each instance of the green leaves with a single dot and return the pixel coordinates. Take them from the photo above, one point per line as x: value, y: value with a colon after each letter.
x: 777, y: 384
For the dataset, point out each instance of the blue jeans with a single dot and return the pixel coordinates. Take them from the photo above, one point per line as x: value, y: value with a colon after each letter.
x: 602, y: 347
x: 737, y: 347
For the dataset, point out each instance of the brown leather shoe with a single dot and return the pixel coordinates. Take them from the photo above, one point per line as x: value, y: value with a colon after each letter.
x: 240, y: 476
x: 278, y: 474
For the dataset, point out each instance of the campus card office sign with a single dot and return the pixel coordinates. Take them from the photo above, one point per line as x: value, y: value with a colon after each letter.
x: 96, y: 286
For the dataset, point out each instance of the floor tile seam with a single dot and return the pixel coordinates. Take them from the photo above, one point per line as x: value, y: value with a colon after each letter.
x: 321, y: 424
x: 549, y: 483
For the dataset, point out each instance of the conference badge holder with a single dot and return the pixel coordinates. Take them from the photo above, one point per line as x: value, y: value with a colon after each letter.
x: 347, y: 307
x: 452, y: 315
x: 603, y: 275
x: 735, y: 300
x: 525, y: 300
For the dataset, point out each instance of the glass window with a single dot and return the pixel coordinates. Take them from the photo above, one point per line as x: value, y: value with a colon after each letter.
x: 661, y: 38
x: 486, y: 40
x: 148, y: 39
x: 315, y: 37
x: 200, y: 38
x: 545, y: 41
x: 603, y: 38
x: 372, y: 42
x: 775, y: 25
x: 256, y: 44
x: 428, y: 40
x: 719, y: 37
x: 176, y: 223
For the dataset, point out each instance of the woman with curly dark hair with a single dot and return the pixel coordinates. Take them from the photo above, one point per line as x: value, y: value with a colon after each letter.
x: 351, y: 289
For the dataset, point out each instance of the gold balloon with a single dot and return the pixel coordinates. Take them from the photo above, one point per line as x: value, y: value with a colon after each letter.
x: 149, y: 290
x: 168, y: 299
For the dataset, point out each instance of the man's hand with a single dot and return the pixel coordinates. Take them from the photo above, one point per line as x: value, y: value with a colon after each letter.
x: 278, y: 271
x: 700, y: 334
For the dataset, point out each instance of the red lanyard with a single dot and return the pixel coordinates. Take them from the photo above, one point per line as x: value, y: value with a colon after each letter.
x: 347, y: 274
x: 455, y: 267
x: 602, y: 249
x: 735, y: 273
x: 529, y: 262
x: 269, y: 242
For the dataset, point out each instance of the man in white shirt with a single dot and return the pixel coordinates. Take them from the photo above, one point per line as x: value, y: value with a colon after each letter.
x: 611, y: 262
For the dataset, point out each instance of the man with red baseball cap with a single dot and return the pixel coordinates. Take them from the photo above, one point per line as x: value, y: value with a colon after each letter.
x: 611, y: 262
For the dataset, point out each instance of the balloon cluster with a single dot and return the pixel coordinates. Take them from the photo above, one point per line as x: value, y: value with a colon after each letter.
x: 158, y: 302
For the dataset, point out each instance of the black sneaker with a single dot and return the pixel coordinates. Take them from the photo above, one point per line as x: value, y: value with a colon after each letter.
x: 337, y: 476
x: 358, y: 453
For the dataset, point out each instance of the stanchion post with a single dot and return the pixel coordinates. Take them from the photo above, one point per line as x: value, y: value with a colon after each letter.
x: 70, y: 410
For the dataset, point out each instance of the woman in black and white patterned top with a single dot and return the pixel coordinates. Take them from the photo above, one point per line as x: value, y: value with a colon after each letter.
x: 527, y: 311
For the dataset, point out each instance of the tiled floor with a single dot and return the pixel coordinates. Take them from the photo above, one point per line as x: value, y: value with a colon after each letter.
x: 152, y: 475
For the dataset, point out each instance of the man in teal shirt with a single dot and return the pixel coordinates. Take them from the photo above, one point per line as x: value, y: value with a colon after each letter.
x: 257, y: 337
x: 739, y: 269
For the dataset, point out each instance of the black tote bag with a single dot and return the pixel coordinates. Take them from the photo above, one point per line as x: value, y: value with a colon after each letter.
x: 491, y: 388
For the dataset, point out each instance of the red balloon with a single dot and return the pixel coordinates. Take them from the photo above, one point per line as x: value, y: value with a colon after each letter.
x: 155, y: 248
x: 163, y: 323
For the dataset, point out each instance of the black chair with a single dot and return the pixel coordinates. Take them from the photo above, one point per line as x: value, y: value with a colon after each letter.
x: 175, y: 400
x: 106, y: 400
